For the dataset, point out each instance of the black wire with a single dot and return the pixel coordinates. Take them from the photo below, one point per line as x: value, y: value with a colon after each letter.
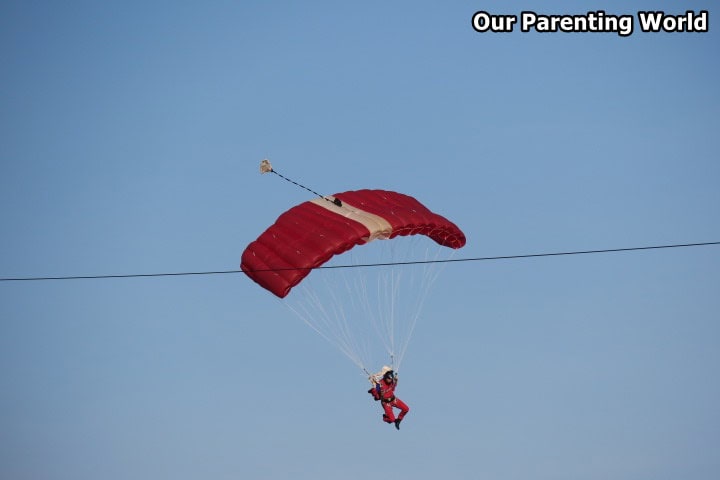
x: 131, y: 275
x: 477, y: 259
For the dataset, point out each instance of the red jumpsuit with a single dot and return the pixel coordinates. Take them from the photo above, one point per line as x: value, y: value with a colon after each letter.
x: 385, y: 392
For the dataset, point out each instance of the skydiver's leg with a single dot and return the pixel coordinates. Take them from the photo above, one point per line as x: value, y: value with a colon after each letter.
x: 404, y: 409
x: 388, y: 416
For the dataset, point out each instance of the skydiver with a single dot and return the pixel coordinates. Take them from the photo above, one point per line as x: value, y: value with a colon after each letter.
x: 384, y: 383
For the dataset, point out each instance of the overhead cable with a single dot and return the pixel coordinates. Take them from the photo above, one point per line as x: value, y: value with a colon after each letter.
x: 366, y: 265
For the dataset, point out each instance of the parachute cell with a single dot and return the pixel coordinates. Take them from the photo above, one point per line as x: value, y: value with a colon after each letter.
x: 310, y: 234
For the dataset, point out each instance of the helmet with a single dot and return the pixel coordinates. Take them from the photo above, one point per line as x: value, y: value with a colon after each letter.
x: 389, y: 375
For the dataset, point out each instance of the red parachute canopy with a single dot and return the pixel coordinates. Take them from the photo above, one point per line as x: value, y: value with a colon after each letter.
x: 309, y: 234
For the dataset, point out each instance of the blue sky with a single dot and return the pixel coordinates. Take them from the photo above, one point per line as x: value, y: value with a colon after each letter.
x: 130, y: 137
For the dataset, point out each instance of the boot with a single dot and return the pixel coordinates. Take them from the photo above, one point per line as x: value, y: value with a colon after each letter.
x: 397, y: 423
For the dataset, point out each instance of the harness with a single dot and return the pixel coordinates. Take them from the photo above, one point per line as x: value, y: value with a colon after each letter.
x: 388, y: 400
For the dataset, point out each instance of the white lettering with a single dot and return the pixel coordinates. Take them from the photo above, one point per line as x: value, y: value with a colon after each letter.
x: 590, y: 22
x: 483, y: 21
x: 658, y: 20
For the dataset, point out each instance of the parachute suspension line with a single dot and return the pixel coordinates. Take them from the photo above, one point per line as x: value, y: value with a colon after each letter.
x: 391, y: 312
x: 391, y: 292
x: 370, y: 315
x: 371, y: 308
x: 266, y: 167
x: 314, y: 310
x: 321, y: 305
x: 431, y: 271
x: 359, y: 343
x: 383, y: 310
x: 364, y: 304
x: 392, y: 283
